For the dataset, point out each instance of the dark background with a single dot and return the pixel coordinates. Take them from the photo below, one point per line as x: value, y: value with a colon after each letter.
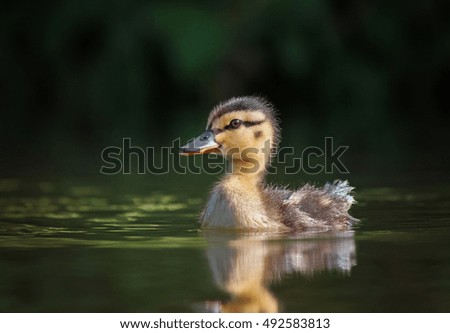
x: 78, y: 75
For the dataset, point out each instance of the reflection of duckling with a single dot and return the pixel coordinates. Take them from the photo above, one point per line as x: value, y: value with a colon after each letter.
x: 244, y: 264
x: 245, y: 130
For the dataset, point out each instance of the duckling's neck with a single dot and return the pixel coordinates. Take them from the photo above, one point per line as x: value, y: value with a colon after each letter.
x: 251, y: 183
x: 247, y: 176
x: 250, y: 172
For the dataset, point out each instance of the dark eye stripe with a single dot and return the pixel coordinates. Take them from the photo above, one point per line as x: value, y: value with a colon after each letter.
x: 253, y: 123
x: 246, y: 124
x: 228, y: 127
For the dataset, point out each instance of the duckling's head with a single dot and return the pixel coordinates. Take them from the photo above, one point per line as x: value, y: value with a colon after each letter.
x: 243, y: 129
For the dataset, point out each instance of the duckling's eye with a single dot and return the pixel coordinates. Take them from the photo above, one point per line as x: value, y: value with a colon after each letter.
x: 235, y: 123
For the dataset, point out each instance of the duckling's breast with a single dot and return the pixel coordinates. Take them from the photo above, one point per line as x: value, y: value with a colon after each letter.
x: 234, y: 206
x: 218, y: 212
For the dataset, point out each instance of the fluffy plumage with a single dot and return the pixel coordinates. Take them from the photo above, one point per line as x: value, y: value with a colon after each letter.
x: 313, y: 208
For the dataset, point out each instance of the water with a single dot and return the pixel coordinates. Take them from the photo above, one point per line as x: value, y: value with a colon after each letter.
x: 133, y: 245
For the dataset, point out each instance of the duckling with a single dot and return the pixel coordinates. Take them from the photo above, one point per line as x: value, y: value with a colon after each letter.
x: 246, y: 131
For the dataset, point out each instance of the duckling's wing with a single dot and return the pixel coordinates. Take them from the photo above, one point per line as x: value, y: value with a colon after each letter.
x: 328, y: 205
x: 282, y: 202
x: 313, y: 208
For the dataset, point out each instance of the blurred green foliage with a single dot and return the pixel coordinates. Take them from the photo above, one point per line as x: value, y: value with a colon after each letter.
x: 78, y: 75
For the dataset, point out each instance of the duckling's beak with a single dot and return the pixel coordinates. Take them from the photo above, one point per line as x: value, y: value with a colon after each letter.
x: 203, y: 144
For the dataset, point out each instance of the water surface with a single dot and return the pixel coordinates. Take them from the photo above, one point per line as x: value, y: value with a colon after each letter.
x: 135, y: 246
